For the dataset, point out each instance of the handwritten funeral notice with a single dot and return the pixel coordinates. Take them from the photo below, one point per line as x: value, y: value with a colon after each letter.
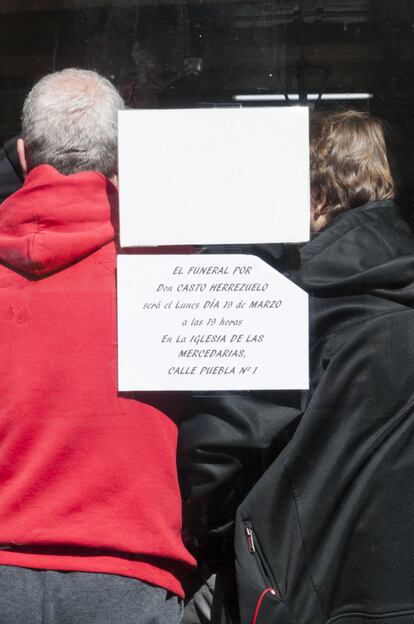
x: 214, y: 176
x: 209, y: 322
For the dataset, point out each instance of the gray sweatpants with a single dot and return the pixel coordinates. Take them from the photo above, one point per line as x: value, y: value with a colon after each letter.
x: 47, y: 597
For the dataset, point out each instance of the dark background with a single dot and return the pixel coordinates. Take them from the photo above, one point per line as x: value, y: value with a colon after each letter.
x: 170, y: 53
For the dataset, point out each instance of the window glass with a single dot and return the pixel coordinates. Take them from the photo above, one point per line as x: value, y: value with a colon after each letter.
x: 175, y: 53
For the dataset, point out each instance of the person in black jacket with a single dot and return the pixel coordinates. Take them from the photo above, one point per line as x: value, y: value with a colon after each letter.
x: 324, y: 534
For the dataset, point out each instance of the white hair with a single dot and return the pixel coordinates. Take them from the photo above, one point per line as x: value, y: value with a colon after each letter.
x: 69, y: 121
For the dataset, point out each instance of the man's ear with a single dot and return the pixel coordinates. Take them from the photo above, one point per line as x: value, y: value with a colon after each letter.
x: 21, y: 153
x: 319, y: 217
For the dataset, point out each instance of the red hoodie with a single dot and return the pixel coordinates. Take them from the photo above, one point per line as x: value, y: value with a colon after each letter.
x: 87, y: 478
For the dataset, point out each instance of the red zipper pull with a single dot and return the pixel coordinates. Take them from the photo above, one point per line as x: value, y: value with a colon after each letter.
x: 269, y: 590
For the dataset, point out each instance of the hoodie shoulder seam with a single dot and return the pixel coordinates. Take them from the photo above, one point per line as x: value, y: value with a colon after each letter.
x: 379, y: 238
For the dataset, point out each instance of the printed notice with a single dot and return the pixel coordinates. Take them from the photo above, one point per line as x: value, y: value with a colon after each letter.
x: 209, y: 322
x: 214, y: 176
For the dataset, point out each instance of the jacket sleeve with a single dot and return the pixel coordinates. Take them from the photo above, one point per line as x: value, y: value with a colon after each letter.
x: 225, y: 445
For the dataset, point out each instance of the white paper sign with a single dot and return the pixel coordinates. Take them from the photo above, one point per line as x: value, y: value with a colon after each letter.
x: 209, y: 322
x: 214, y: 176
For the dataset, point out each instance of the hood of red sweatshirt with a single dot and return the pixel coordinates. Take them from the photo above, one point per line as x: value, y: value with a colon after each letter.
x: 55, y: 220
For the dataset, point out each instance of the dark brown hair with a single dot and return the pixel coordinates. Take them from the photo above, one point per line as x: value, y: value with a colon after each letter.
x: 349, y: 160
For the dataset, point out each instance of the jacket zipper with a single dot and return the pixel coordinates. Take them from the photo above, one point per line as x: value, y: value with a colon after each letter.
x: 250, y: 540
x: 254, y: 549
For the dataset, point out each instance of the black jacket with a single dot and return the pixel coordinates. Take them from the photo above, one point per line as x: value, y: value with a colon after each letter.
x: 10, y: 172
x: 330, y: 524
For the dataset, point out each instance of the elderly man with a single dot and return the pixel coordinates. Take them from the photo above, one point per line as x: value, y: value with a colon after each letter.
x: 90, y: 509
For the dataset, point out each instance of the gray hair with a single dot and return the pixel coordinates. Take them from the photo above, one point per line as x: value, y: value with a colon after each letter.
x: 69, y: 121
